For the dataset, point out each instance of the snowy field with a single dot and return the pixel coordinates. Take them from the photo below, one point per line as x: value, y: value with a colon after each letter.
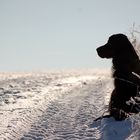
x: 60, y: 106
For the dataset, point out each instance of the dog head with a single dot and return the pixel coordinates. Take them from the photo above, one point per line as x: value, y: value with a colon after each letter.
x: 116, y: 45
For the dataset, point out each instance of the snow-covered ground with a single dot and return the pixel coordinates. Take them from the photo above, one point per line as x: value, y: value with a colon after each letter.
x: 60, y: 106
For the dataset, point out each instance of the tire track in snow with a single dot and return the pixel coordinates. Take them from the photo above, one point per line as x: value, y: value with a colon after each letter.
x: 69, y: 116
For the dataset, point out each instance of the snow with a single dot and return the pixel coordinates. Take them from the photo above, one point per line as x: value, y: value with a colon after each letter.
x: 60, y: 106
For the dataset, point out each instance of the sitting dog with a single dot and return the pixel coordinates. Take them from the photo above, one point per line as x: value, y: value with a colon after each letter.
x: 125, y: 71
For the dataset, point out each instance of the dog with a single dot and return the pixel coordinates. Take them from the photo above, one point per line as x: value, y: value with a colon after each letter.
x: 125, y: 71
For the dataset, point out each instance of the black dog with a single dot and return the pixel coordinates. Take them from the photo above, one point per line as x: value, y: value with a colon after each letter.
x: 125, y: 71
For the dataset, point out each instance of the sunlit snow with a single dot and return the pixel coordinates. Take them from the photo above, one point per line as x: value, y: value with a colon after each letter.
x: 60, y: 106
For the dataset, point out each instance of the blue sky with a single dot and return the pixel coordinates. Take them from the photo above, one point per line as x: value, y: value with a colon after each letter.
x: 60, y: 34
